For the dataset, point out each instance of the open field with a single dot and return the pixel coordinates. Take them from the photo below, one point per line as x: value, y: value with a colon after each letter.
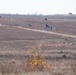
x: 58, y: 44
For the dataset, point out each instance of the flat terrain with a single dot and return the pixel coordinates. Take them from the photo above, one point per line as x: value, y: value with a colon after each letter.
x: 18, y: 34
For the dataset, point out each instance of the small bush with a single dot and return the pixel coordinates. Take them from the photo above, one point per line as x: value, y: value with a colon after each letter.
x: 36, y: 61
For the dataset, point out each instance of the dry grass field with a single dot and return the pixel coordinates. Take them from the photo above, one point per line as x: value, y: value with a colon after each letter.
x: 59, y: 51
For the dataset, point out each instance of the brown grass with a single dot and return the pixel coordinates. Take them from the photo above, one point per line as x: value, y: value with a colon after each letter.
x: 61, y: 67
x: 13, y: 43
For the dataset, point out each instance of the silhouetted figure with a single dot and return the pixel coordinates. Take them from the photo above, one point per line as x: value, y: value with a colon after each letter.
x: 51, y: 27
x: 61, y: 52
x: 63, y: 42
x: 64, y: 56
x: 47, y: 26
x: 45, y: 19
x: 0, y: 16
x: 30, y: 25
x: 16, y: 25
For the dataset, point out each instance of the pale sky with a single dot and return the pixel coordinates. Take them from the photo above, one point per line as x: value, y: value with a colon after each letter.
x: 45, y: 7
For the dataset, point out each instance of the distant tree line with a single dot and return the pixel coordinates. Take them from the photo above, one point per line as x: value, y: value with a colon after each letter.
x: 70, y: 13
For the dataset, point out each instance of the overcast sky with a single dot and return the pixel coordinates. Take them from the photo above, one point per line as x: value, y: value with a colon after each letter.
x: 40, y: 6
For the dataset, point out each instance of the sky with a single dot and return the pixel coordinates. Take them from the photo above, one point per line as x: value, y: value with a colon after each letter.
x: 46, y: 7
